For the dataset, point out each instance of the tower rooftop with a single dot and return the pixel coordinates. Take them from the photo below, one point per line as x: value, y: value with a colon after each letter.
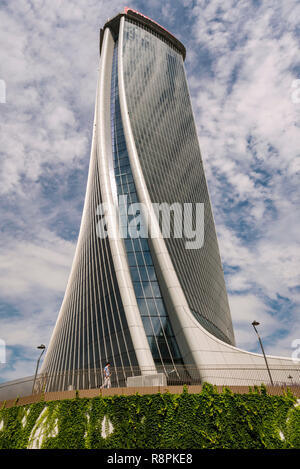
x: 113, y: 25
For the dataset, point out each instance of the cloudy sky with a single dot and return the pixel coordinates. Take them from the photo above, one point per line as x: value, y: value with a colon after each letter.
x: 242, y: 67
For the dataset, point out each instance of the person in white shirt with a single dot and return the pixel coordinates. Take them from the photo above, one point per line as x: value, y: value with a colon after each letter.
x: 107, y: 375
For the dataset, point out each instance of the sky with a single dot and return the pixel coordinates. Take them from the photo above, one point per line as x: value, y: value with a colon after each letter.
x: 243, y: 72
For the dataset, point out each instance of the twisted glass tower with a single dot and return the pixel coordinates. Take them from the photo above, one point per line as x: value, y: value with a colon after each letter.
x: 143, y: 303
x: 121, y: 303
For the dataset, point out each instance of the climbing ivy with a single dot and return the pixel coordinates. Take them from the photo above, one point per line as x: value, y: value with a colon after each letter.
x: 210, y: 419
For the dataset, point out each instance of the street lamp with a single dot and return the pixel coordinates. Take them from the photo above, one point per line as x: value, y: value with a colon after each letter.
x: 255, y: 323
x: 42, y: 348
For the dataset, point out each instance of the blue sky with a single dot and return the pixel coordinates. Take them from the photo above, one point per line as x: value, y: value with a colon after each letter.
x: 242, y: 61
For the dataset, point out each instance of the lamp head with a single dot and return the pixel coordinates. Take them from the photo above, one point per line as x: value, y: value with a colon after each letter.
x: 255, y: 323
x: 42, y: 346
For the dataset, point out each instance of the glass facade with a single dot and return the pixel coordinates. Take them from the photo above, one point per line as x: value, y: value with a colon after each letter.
x: 154, y: 315
x: 165, y: 136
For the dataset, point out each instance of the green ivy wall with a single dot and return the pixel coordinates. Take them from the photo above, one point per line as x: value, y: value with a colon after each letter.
x: 186, y: 421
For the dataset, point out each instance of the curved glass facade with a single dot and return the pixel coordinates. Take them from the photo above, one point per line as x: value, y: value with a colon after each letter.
x: 154, y: 315
x: 165, y: 136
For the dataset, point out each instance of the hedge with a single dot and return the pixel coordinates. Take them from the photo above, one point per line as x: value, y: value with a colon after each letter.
x: 210, y: 419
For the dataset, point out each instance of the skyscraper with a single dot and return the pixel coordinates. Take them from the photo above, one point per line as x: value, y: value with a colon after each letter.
x: 151, y: 302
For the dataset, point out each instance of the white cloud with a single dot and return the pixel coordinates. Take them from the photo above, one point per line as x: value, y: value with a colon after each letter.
x: 30, y: 265
x: 249, y: 133
x: 248, y: 127
x: 49, y: 59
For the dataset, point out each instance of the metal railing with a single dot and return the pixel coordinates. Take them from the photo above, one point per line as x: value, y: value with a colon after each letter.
x: 174, y: 376
x: 94, y: 378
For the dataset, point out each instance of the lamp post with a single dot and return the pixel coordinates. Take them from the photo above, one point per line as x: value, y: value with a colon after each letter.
x: 41, y: 347
x: 255, y: 323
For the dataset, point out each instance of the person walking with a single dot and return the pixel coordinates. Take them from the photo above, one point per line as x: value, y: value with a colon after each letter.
x: 107, y: 375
